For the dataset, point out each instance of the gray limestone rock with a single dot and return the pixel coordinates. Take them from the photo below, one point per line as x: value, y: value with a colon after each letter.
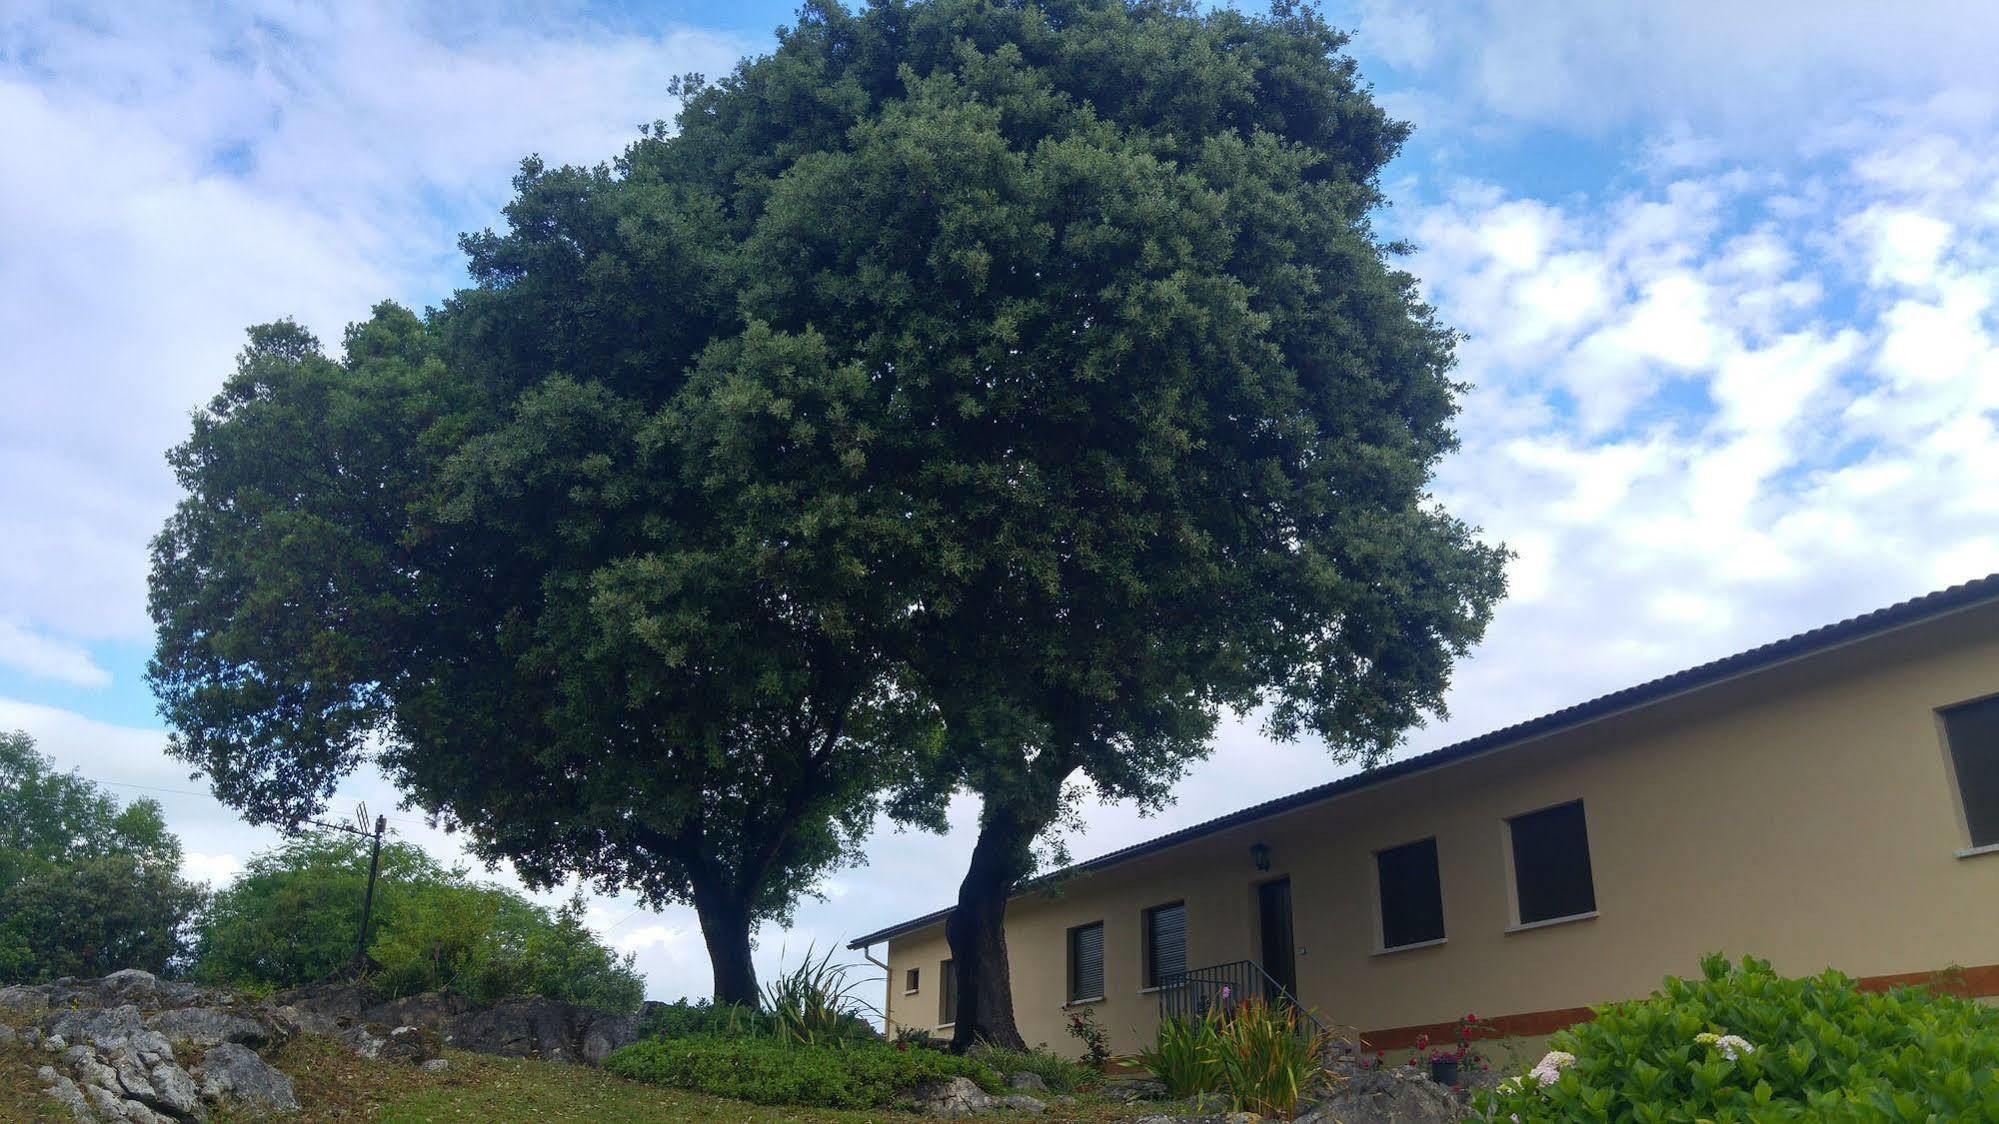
x: 235, y: 1074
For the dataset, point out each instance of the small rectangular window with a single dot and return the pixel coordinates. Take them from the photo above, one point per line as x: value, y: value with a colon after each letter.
x: 1551, y: 872
x: 1086, y: 962
x: 909, y: 979
x: 1412, y: 894
x: 947, y: 995
x: 1973, y: 733
x: 1165, y: 944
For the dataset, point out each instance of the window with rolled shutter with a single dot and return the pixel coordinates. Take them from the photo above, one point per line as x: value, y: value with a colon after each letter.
x: 1165, y: 944
x: 1086, y: 962
x: 947, y: 994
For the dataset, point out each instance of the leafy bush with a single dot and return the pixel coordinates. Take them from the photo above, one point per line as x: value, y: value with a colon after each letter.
x: 1059, y: 1073
x: 1261, y: 1056
x: 682, y: 1019
x: 86, y: 887
x: 1743, y: 1043
x: 815, y: 1003
x: 858, y: 1074
x: 291, y: 918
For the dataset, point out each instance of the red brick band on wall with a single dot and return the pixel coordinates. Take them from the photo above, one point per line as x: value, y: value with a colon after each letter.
x: 1972, y: 983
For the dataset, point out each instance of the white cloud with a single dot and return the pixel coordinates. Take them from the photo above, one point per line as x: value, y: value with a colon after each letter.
x: 1700, y: 76
x: 1755, y: 428
x: 172, y: 173
x: 26, y: 650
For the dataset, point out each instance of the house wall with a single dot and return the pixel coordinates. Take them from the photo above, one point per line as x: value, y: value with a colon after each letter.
x: 1804, y: 814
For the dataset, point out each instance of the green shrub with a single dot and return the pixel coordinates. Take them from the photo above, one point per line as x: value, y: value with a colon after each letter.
x: 290, y: 920
x: 858, y: 1074
x: 682, y: 1019
x: 1745, y: 1044
x: 1059, y: 1073
x: 86, y: 887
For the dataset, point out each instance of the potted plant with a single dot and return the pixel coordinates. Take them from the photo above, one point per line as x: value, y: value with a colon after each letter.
x: 1449, y: 1066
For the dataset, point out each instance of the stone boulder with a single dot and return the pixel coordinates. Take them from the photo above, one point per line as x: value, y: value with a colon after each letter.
x: 22, y: 999
x: 205, y: 1027
x: 233, y: 1073
x: 1133, y: 1089
x: 542, y: 1028
x: 952, y: 1097
x: 412, y: 1045
x: 1384, y: 1095
x: 1026, y: 1082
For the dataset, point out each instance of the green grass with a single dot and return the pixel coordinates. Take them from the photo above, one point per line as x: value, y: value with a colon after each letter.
x: 334, y: 1085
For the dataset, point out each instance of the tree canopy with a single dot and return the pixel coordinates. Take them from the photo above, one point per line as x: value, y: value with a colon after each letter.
x: 968, y: 394
x: 86, y: 887
x: 290, y: 919
x: 1139, y: 402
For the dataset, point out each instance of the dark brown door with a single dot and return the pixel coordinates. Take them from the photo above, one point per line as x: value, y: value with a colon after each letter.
x: 1273, y: 901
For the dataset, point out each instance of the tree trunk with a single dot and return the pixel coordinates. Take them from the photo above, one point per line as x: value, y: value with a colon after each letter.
x: 725, y: 926
x: 977, y: 932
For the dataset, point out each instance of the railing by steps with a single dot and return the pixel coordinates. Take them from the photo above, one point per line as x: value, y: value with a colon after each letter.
x: 1220, y: 987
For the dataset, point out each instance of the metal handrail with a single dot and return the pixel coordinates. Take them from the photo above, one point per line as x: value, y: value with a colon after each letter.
x: 1195, y: 992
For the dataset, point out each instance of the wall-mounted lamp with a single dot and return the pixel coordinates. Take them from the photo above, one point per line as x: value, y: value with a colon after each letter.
x: 1259, y: 853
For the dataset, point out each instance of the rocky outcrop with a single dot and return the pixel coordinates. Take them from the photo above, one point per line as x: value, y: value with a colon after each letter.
x: 120, y: 1050
x: 512, y: 1028
x: 112, y: 1066
x: 123, y: 1047
x: 542, y: 1028
x: 234, y: 1074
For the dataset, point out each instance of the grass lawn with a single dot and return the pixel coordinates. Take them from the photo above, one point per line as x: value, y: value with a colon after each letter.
x: 335, y: 1085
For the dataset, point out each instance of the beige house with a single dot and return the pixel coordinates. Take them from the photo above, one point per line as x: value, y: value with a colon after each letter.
x: 1831, y: 799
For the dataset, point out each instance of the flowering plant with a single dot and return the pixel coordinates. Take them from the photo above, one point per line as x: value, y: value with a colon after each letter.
x: 1084, y: 1027
x: 1740, y: 1042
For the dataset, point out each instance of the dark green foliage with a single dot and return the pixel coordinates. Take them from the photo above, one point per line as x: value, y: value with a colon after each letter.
x: 86, y: 887
x: 967, y: 394
x: 1059, y: 1073
x: 291, y: 919
x: 871, y: 1074
x: 1824, y: 1050
x: 703, y: 1019
x: 1074, y: 312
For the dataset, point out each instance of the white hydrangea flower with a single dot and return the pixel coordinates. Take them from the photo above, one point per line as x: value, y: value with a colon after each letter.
x: 1733, y: 1046
x: 1549, y: 1069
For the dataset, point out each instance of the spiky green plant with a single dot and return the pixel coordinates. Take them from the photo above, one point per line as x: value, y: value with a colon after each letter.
x: 1186, y: 1055
x: 1268, y: 1055
x: 816, y: 1004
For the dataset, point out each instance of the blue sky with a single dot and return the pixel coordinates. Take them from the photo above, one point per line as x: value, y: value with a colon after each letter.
x: 1727, y: 273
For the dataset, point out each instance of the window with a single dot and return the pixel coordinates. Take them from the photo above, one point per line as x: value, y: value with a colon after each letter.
x: 1973, y: 733
x: 909, y: 979
x: 1165, y: 944
x: 1086, y: 962
x: 1412, y: 895
x: 947, y: 995
x: 1551, y: 875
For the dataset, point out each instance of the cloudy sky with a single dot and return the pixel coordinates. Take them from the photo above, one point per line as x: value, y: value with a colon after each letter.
x: 1728, y: 272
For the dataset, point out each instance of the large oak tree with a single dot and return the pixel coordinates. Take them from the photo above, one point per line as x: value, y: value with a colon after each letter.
x: 1032, y: 370
x: 1148, y: 412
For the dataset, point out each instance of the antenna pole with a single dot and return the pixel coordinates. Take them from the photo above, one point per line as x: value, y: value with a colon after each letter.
x: 368, y: 901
